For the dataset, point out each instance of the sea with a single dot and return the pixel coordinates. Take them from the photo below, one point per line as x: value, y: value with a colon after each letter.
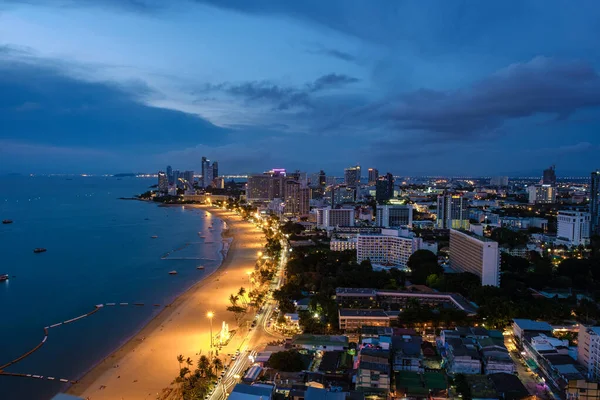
x: 100, y: 249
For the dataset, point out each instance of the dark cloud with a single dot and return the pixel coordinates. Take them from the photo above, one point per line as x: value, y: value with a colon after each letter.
x: 540, y: 86
x: 42, y: 104
x: 341, y: 55
x: 282, y: 97
x: 332, y: 81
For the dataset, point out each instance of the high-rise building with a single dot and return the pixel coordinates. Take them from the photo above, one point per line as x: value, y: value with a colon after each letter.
x: 393, y: 216
x: 163, y: 182
x: 170, y: 175
x: 549, y: 177
x: 205, y: 167
x: 297, y: 198
x: 542, y: 194
x: 595, y: 203
x: 330, y: 218
x: 475, y: 254
x: 573, y: 227
x: 188, y: 176
x: 452, y: 211
x: 257, y: 188
x: 373, y: 176
x: 388, y: 248
x: 209, y: 172
x: 292, y: 197
x: 588, y: 350
x: 352, y: 176
x: 176, y: 178
x: 322, y: 178
x: 277, y: 187
x: 304, y: 202
x: 342, y: 194
x: 499, y: 181
x: 384, y: 189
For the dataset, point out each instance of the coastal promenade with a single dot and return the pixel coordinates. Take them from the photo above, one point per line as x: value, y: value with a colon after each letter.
x: 147, y: 363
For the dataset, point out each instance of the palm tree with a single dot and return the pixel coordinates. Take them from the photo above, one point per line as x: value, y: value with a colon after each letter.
x: 189, y: 362
x: 241, y: 294
x: 233, y: 299
x: 203, y: 365
x: 180, y: 360
x: 217, y: 364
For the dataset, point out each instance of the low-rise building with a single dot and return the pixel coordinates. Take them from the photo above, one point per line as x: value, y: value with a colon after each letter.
x: 373, y: 378
x: 340, y: 244
x: 352, y: 320
x: 522, y: 326
x: 241, y: 391
x: 407, y: 355
x: 462, y: 356
x: 379, y: 298
x: 320, y: 342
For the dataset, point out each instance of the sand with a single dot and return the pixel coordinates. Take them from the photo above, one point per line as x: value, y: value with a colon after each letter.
x: 147, y: 363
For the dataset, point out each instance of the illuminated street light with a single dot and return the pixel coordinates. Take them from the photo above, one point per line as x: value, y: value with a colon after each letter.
x: 260, y: 254
x: 210, y: 316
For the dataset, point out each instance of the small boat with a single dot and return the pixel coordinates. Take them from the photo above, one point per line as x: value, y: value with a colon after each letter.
x: 39, y: 250
x: 3, y: 277
x: 200, y: 267
x: 172, y: 272
x: 7, y: 221
x: 154, y: 236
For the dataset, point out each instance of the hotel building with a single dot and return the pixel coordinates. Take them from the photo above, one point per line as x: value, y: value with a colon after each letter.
x: 475, y: 254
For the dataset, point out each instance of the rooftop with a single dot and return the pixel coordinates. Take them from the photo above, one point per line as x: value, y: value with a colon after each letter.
x: 531, y: 325
x: 353, y: 312
x: 373, y: 366
x: 473, y: 235
x: 241, y: 390
x: 320, y: 340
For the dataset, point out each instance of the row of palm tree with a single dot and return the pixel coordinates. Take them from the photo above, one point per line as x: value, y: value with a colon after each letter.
x: 195, y: 384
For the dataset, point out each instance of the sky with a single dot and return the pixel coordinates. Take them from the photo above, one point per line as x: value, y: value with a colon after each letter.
x: 432, y: 87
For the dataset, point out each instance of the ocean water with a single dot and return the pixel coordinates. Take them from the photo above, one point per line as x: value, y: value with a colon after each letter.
x: 99, y: 249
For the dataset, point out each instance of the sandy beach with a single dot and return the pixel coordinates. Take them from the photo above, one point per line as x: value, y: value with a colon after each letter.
x: 147, y: 363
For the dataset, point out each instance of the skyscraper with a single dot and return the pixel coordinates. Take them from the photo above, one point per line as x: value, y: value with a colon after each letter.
x: 188, y: 176
x: 209, y: 172
x: 595, y: 203
x: 549, y: 177
x: 373, y: 176
x: 352, y: 176
x: 452, y: 211
x: 176, y: 176
x: 169, y: 174
x: 163, y: 182
x: 384, y: 188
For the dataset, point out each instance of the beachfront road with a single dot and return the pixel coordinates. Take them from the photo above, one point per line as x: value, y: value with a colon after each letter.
x: 256, y: 339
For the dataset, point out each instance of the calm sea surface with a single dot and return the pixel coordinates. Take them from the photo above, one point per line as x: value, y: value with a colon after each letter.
x: 99, y: 250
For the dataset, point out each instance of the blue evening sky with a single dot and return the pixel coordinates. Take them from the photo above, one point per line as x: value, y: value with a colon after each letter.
x: 426, y: 87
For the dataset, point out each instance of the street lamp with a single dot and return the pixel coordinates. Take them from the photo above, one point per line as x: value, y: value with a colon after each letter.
x: 260, y: 254
x: 210, y: 316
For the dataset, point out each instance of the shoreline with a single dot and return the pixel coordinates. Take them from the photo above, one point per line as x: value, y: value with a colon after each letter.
x: 92, y: 381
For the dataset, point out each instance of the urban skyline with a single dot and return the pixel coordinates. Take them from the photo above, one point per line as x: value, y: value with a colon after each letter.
x: 407, y: 93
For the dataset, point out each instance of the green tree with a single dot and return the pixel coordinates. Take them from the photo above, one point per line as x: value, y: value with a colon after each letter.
x: 287, y: 361
x: 423, y: 263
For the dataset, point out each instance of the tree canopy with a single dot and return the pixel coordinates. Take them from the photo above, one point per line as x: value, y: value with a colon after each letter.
x: 422, y: 264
